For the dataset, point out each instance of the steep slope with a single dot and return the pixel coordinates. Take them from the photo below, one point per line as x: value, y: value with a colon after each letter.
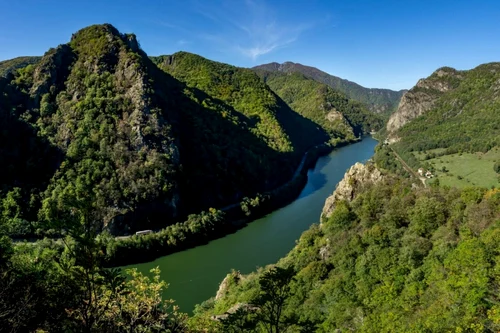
x: 423, y: 97
x: 120, y: 143
x: 383, y: 101
x: 9, y: 66
x: 334, y: 111
x: 450, y: 109
x: 92, y: 100
x: 389, y: 258
x: 243, y: 92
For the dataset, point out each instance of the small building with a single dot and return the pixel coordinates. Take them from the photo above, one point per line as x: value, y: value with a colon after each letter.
x: 428, y: 174
x: 420, y: 171
x: 144, y: 232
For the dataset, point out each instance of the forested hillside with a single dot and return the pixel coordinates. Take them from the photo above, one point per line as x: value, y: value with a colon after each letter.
x: 334, y: 111
x: 9, y: 66
x: 392, y: 254
x: 396, y: 258
x: 459, y: 111
x: 111, y: 135
x: 383, y: 101
x: 242, y: 93
x: 448, y: 124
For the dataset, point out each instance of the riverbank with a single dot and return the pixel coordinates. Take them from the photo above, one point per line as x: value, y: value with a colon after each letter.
x: 199, y: 229
x: 194, y: 275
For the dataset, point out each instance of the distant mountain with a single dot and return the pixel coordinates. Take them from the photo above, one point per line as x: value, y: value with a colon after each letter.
x: 450, y: 109
x: 96, y: 129
x: 382, y: 101
x: 7, y: 66
x: 339, y: 115
x: 244, y: 94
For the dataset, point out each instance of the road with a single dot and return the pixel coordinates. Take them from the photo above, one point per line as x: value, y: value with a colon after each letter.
x: 407, y: 167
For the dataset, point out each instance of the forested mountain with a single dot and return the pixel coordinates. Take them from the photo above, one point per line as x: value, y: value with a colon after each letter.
x: 391, y: 254
x: 9, y: 66
x: 383, y: 101
x: 334, y: 111
x: 109, y: 133
x: 95, y: 136
x: 450, y: 109
x: 387, y: 257
x: 241, y: 92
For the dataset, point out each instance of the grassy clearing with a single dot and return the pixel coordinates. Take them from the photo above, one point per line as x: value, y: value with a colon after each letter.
x: 466, y: 169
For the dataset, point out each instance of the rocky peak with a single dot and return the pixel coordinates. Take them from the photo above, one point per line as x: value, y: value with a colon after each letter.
x: 52, y: 69
x: 422, y: 97
x: 347, y: 189
x: 232, y: 278
x: 94, y: 31
x: 132, y: 42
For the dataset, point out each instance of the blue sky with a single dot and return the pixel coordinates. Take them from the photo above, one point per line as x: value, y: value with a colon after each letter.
x: 383, y: 44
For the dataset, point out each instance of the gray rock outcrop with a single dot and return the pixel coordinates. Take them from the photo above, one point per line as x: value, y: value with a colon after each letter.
x: 421, y: 98
x: 347, y: 189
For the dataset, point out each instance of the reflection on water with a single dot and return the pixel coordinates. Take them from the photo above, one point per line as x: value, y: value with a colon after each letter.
x: 194, y: 275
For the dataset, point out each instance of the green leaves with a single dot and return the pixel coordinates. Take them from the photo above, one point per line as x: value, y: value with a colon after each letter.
x: 395, y: 259
x: 464, y: 116
x: 342, y: 118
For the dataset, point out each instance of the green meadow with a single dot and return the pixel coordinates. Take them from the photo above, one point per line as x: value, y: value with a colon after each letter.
x: 464, y: 169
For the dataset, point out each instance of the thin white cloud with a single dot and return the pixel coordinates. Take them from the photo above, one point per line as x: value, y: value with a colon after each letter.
x: 249, y: 28
x: 172, y: 26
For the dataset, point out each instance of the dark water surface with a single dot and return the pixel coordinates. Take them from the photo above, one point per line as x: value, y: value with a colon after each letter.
x: 194, y: 275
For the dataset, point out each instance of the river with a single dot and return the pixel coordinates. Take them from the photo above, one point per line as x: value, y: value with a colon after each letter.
x: 194, y: 275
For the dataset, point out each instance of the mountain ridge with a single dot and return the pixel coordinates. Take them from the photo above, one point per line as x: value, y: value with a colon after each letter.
x: 339, y: 115
x: 126, y: 139
x: 447, y: 102
x: 378, y: 100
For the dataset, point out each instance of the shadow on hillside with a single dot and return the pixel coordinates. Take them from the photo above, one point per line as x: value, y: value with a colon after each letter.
x: 303, y: 132
x: 27, y: 160
x: 222, y: 160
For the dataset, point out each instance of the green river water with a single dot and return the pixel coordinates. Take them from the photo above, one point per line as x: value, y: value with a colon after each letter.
x: 194, y: 275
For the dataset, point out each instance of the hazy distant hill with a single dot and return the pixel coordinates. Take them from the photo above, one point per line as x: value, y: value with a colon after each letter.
x: 383, y: 101
x: 7, y: 66
x: 339, y: 115
x: 95, y: 126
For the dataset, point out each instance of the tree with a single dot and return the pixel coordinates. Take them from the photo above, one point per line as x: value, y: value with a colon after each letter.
x: 496, y: 167
x: 273, y: 295
x: 139, y: 306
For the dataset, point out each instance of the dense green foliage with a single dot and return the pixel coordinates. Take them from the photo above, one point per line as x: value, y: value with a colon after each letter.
x: 48, y: 287
x: 382, y: 101
x: 244, y: 95
x: 385, y: 159
x: 464, y: 117
x: 340, y: 116
x: 9, y: 66
x: 103, y: 126
x: 395, y: 259
x: 81, y: 101
x: 200, y: 228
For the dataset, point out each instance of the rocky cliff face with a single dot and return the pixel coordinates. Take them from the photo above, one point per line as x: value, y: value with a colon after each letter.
x: 422, y: 97
x: 231, y: 279
x: 92, y: 101
x: 347, y: 189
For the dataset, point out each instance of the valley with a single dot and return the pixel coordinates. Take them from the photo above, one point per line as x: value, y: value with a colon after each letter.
x: 195, y: 274
x: 169, y: 192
